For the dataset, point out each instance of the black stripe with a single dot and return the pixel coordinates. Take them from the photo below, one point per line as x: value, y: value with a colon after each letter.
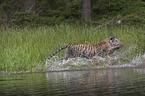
x: 84, y: 50
x: 90, y: 50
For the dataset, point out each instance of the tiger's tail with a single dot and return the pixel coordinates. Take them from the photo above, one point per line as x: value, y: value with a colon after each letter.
x: 66, y: 46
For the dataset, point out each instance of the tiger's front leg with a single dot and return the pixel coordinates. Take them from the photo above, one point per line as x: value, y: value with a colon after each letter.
x: 117, y: 47
x: 112, y: 49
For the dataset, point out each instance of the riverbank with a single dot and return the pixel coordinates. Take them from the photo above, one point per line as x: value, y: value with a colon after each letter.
x: 80, y: 69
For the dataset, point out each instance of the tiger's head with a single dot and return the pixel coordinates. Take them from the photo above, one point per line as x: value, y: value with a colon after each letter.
x: 109, y: 45
x: 113, y: 41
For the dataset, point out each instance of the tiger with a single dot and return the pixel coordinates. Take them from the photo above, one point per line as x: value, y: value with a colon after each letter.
x: 103, y: 48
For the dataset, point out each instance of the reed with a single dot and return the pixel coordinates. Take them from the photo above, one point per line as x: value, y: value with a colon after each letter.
x: 23, y: 49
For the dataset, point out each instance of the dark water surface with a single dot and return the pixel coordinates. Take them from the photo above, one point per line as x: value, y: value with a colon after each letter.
x: 103, y: 82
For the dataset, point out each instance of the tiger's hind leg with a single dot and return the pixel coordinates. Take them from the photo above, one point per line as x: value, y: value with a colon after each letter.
x: 72, y: 53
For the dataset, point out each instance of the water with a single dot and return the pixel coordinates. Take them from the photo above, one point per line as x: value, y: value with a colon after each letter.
x: 99, y: 82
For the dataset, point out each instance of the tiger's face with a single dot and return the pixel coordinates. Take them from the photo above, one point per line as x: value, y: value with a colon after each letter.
x: 111, y: 44
x: 113, y: 41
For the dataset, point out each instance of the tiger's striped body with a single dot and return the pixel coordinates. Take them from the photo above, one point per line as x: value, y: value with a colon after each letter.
x: 103, y: 48
x: 82, y: 50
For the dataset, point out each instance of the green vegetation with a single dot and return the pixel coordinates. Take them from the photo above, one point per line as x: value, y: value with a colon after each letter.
x: 51, y: 12
x: 23, y: 49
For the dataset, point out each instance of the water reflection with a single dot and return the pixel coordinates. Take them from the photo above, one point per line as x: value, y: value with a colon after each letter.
x: 107, y: 82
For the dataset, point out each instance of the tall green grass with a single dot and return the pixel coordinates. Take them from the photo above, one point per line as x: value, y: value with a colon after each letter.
x: 27, y: 48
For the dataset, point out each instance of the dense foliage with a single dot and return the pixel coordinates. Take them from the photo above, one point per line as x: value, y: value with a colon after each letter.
x: 70, y: 11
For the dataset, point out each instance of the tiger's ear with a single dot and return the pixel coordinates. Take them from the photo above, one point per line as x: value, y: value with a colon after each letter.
x: 112, y: 37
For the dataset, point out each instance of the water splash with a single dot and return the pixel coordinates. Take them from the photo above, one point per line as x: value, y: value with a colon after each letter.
x: 57, y: 64
x: 72, y: 63
x: 138, y: 59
